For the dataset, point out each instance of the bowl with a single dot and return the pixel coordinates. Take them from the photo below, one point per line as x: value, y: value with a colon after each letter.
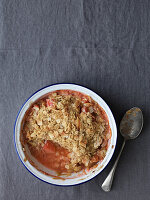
x: 50, y: 176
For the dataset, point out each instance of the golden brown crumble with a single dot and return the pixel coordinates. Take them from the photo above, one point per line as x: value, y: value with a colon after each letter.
x: 72, y: 120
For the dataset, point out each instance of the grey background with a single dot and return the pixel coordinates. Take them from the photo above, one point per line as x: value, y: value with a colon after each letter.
x: 104, y: 45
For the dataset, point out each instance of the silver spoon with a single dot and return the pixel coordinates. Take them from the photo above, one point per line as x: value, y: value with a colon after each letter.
x: 130, y: 127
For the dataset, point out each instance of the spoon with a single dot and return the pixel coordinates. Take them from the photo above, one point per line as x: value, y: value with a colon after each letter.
x: 130, y: 127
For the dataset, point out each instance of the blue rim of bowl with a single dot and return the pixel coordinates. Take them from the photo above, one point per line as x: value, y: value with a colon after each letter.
x: 23, y: 162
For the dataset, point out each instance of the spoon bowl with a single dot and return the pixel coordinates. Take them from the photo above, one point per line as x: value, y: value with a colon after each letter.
x: 132, y: 123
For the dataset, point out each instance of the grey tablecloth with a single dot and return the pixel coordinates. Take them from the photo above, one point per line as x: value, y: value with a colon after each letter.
x: 101, y: 44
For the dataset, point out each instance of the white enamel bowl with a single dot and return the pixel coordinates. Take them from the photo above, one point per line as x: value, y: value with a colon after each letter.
x: 77, y: 178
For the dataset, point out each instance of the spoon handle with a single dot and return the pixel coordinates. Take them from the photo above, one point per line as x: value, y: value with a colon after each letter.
x: 106, y: 186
